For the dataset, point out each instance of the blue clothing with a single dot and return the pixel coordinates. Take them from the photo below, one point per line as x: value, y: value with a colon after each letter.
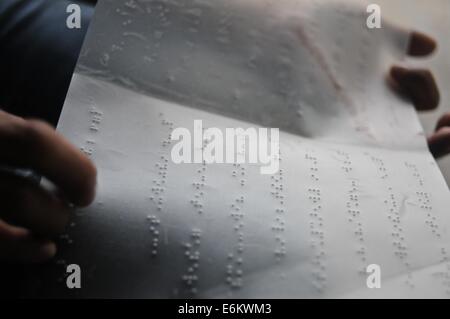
x: 38, y: 54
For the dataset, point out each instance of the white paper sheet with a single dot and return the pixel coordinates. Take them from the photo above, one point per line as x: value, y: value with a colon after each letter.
x: 356, y: 187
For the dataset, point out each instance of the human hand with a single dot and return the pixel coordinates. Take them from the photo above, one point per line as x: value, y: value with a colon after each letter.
x: 30, y: 216
x: 439, y: 141
x: 418, y: 85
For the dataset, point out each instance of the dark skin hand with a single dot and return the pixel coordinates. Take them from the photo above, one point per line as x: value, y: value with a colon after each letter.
x: 420, y: 87
x: 439, y: 141
x: 31, y: 216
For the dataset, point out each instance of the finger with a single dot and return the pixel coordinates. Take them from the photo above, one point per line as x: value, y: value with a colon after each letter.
x: 443, y: 121
x: 421, y: 44
x: 418, y: 85
x: 29, y: 205
x: 35, y: 145
x: 17, y: 245
x: 439, y: 142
